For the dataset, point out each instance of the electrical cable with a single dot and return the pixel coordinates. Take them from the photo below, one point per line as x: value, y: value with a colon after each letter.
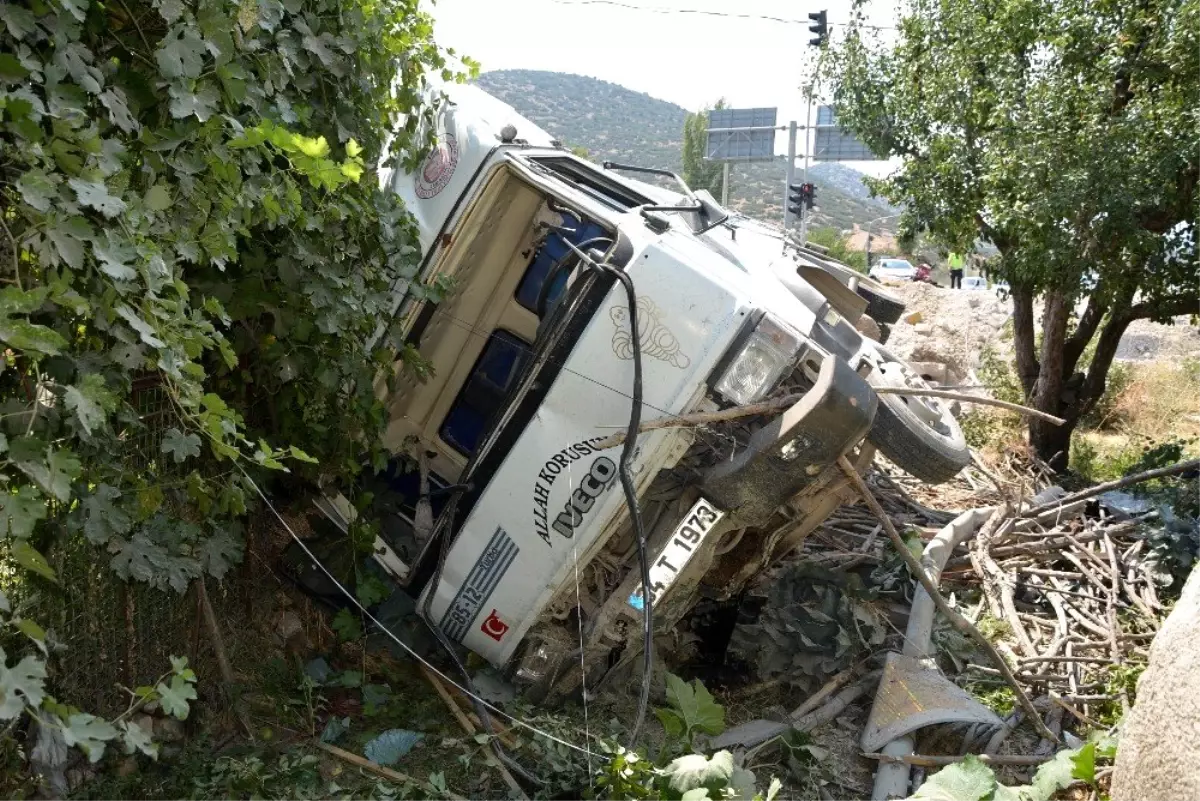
x: 391, y: 634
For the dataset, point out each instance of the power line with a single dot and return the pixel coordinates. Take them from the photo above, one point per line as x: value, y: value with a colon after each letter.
x: 707, y: 13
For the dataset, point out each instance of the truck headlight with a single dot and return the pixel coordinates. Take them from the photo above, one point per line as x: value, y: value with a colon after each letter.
x: 768, y: 353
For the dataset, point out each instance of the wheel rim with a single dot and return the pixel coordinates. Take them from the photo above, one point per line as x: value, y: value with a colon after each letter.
x: 932, y: 412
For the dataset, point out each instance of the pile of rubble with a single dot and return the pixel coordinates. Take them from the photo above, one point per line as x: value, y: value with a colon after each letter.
x: 944, y: 332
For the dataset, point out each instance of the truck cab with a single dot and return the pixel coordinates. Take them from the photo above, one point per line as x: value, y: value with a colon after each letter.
x: 637, y: 399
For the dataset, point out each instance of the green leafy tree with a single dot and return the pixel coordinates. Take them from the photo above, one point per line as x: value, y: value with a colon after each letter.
x: 697, y: 171
x: 189, y: 201
x: 1065, y: 134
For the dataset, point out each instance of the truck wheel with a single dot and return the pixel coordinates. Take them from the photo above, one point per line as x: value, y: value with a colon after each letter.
x: 882, y: 305
x: 918, y: 434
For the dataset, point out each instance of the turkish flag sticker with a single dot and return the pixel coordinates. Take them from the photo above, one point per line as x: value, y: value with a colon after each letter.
x: 494, y: 627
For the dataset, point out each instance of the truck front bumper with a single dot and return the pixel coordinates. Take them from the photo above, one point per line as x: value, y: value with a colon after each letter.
x: 792, y: 451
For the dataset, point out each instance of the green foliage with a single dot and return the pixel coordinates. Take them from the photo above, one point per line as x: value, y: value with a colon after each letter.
x: 972, y: 780
x: 189, y: 202
x: 698, y: 172
x: 1062, y: 133
x: 692, y: 711
x: 189, y: 192
x: 839, y: 247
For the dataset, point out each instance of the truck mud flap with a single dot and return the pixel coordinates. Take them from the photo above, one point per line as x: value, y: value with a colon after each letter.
x: 791, y: 452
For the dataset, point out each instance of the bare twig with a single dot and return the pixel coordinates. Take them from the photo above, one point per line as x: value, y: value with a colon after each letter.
x: 469, y: 728
x: 779, y: 404
x: 957, y: 620
x: 223, y: 665
x: 375, y: 767
x: 830, y: 687
x: 15, y: 255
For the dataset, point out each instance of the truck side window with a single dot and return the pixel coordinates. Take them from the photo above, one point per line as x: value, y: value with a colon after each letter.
x: 551, y: 251
x: 495, y: 371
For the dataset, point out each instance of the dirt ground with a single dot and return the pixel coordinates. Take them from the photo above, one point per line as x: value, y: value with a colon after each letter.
x: 956, y: 326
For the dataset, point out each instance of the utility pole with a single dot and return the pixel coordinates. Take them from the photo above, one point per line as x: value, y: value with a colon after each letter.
x: 725, y: 184
x: 791, y: 175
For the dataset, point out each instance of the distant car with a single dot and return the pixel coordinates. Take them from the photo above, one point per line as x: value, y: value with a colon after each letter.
x: 893, y: 270
x: 974, y: 282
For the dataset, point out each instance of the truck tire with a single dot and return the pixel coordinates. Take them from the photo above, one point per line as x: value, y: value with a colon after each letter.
x: 919, y: 435
x: 882, y: 305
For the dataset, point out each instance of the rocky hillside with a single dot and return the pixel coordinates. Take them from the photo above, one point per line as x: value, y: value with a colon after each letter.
x: 616, y: 123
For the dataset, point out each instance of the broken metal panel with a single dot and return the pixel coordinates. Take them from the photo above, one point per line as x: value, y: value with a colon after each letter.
x: 914, y: 694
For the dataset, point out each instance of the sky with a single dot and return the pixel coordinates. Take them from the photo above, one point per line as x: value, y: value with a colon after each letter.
x: 656, y: 46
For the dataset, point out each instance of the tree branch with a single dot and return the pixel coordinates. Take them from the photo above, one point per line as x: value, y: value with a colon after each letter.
x: 1171, y: 306
x: 1077, y: 343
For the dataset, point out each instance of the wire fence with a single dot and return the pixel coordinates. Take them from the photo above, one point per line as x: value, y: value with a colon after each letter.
x: 107, y: 636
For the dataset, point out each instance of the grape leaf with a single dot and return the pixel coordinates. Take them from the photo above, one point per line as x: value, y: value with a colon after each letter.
x: 143, y: 559
x: 694, y: 703
x: 20, y: 21
x: 969, y: 780
x: 21, y: 684
x: 68, y: 237
x: 1052, y: 776
x: 181, y: 54
x: 180, y: 445
x: 95, y: 195
x: 24, y: 335
x: 157, y: 198
x: 147, y: 332
x: 138, y: 739
x: 115, y: 255
x: 220, y: 552
x: 174, y: 697
x: 31, y: 558
x: 334, y: 728
x: 185, y: 103
x: 90, y: 400
x: 20, y: 511
x: 16, y: 301
x: 38, y: 189
x: 346, y: 625
x: 90, y: 733
x: 389, y: 747
x: 696, y: 770
x: 52, y: 470
x: 170, y: 10
x: 102, y: 517
x: 118, y: 110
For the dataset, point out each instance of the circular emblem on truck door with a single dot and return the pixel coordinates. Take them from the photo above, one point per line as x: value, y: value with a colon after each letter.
x: 438, y: 168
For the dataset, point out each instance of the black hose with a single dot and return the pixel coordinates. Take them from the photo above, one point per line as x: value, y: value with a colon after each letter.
x: 631, y: 500
x: 552, y: 275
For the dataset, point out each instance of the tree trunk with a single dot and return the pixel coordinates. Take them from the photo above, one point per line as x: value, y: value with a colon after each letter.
x: 1024, y: 338
x: 1051, y: 442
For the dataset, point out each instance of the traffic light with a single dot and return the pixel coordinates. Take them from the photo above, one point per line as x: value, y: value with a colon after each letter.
x: 796, y: 199
x: 800, y: 197
x: 820, y: 28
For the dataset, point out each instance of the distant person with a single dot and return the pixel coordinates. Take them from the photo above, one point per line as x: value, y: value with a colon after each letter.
x: 956, y: 262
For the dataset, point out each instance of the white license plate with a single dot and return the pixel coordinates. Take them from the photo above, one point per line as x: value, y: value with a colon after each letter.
x: 679, y: 550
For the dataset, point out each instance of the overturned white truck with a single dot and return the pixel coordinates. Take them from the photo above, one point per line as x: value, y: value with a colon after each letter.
x: 581, y: 303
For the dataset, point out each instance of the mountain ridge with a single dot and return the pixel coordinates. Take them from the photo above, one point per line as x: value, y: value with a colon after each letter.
x: 619, y: 124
